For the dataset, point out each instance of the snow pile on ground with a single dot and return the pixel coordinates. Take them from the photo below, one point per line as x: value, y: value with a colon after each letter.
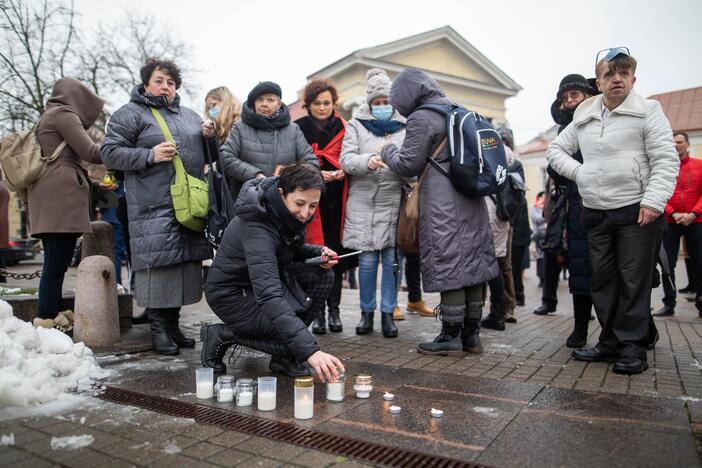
x: 7, y: 439
x: 41, y: 365
x: 74, y: 442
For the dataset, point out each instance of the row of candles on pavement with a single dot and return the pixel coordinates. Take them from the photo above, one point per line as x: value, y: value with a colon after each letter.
x: 244, y: 389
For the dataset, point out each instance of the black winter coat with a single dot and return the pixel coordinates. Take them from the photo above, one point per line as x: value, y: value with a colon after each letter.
x: 257, y: 246
x: 579, y: 267
x: 521, y: 232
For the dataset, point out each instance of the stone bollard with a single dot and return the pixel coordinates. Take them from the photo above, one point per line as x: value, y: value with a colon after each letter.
x: 96, y: 314
x: 100, y: 242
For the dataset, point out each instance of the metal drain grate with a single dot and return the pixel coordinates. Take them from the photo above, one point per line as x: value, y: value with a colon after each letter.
x: 281, y: 432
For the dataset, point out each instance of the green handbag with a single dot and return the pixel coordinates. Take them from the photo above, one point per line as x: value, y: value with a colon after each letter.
x: 190, y: 195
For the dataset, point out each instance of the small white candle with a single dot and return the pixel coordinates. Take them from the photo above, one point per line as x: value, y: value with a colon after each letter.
x: 204, y: 390
x: 388, y: 396
x: 225, y: 395
x: 244, y: 399
x: 335, y: 391
x: 304, y: 408
x: 436, y: 413
x: 395, y: 409
x: 266, y: 401
x: 363, y: 391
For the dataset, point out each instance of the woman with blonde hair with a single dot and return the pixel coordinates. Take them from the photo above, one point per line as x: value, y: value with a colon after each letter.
x: 222, y: 107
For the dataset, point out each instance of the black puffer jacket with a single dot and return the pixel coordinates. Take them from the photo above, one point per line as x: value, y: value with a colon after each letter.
x: 521, y: 232
x: 156, y: 238
x: 258, y: 245
x: 579, y: 267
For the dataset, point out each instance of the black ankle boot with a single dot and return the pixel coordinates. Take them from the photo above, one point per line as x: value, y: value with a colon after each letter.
x: 216, y: 339
x: 161, y: 341
x: 288, y: 366
x: 141, y: 318
x: 581, y: 314
x: 319, y: 325
x: 335, y: 325
x: 172, y: 319
x: 448, y: 342
x: 470, y: 336
x: 496, y: 318
x: 365, y: 326
x: 388, y: 324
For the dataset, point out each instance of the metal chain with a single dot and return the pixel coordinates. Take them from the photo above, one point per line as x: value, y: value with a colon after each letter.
x: 22, y: 276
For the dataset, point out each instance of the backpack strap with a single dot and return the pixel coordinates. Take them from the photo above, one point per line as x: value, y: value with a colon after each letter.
x: 436, y: 152
x: 57, y: 151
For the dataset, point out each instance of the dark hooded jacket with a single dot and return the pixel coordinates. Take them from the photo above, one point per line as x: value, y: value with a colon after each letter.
x: 156, y: 238
x: 455, y: 241
x: 257, y: 246
x: 59, y: 201
x: 257, y: 144
x: 579, y: 267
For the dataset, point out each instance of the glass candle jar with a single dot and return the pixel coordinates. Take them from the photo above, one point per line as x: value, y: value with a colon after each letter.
x: 225, y: 388
x: 267, y: 393
x: 337, y: 389
x: 245, y: 391
x: 304, y: 398
x: 363, y: 385
x: 204, y: 382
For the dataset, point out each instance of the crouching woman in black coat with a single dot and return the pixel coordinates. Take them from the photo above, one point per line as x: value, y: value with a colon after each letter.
x: 259, y: 284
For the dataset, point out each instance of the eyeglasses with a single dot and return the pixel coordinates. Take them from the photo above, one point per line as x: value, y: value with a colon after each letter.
x: 610, y: 54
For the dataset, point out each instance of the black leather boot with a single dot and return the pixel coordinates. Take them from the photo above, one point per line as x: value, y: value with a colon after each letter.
x: 448, y: 342
x: 496, y: 318
x: 470, y: 336
x: 216, y: 339
x: 335, y: 325
x: 319, y: 324
x: 578, y: 339
x: 161, y: 341
x: 388, y: 324
x: 365, y: 326
x: 172, y: 319
x: 289, y: 366
x: 141, y: 318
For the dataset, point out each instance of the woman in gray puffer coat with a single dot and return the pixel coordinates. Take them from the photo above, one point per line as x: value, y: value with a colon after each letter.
x: 455, y: 241
x: 264, y: 140
x: 165, y: 256
x: 373, y: 203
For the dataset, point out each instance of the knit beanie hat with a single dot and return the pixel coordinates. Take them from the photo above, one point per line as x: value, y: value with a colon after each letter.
x: 575, y: 82
x: 264, y: 87
x: 378, y: 84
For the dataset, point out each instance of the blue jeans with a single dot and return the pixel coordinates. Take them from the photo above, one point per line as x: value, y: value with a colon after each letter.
x: 367, y: 280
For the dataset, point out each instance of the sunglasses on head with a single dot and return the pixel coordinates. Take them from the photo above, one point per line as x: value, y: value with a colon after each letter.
x: 610, y: 54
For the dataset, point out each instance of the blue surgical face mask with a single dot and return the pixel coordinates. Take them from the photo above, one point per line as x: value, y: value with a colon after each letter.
x: 213, y: 112
x: 382, y: 112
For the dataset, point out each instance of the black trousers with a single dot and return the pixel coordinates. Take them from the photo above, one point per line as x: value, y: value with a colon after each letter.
x: 413, y: 277
x: 58, y: 251
x: 623, y: 255
x: 552, y: 272
x: 245, y: 318
x: 518, y: 271
x: 671, y: 242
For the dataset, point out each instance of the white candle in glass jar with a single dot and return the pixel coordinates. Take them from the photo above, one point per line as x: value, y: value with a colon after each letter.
x: 266, y: 401
x: 335, y: 391
x: 204, y: 390
x: 304, y: 408
x: 244, y: 399
x: 225, y: 395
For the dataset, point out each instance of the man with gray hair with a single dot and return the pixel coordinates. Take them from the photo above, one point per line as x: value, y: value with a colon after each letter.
x: 628, y: 173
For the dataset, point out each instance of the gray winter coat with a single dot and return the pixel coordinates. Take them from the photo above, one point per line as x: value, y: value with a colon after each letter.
x: 373, y: 202
x: 256, y: 144
x: 156, y: 238
x: 455, y: 242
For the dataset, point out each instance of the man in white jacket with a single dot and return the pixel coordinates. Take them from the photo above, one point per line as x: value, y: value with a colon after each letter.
x: 628, y: 173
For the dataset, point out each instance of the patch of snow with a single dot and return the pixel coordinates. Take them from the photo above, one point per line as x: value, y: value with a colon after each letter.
x: 74, y: 442
x: 696, y: 365
x: 7, y: 439
x: 7, y: 291
x: 489, y: 412
x: 64, y: 403
x: 40, y: 365
x: 172, y: 449
x: 689, y: 398
x: 497, y: 347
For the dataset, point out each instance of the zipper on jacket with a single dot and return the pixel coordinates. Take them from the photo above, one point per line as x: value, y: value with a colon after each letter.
x: 275, y: 149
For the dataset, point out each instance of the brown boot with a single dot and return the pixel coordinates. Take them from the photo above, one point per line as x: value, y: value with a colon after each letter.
x: 420, y: 308
x: 397, y: 314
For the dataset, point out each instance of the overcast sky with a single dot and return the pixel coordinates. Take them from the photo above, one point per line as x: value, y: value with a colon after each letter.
x: 238, y: 43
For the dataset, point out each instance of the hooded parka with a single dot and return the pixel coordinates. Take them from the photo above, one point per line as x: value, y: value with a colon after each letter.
x: 156, y: 238
x: 455, y: 242
x: 59, y: 201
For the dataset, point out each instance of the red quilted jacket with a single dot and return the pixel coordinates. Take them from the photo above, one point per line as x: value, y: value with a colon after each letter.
x: 687, y: 196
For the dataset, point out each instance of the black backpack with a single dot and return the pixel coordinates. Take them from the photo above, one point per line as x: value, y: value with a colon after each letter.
x: 511, y: 199
x: 478, y: 161
x: 221, y: 207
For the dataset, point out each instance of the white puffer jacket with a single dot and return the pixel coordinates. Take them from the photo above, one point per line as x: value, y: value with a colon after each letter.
x: 629, y: 159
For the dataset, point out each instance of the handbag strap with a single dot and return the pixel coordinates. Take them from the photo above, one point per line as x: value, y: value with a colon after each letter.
x: 177, y: 162
x: 436, y: 152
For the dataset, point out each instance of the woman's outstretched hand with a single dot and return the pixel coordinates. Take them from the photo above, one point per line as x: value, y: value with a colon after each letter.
x: 326, y: 366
